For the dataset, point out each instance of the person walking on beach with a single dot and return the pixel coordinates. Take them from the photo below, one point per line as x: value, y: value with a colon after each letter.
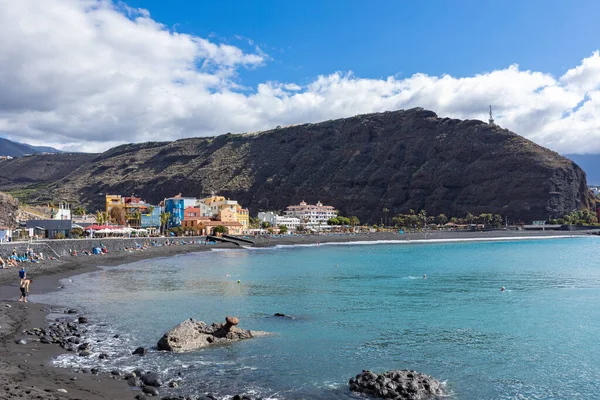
x: 24, y: 289
x: 22, y: 274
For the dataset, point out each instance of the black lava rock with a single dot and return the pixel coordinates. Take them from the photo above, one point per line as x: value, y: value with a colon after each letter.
x: 141, y: 351
x: 152, y: 379
x: 398, y: 385
x: 152, y: 391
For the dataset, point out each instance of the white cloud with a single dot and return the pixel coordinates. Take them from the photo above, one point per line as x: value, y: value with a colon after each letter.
x: 90, y: 74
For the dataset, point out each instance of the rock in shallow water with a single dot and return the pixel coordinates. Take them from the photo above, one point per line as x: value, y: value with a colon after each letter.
x: 140, y: 351
x: 152, y: 379
x: 192, y: 334
x: 397, y: 384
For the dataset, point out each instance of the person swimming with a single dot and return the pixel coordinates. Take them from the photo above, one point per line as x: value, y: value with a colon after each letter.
x: 424, y: 276
x: 502, y: 289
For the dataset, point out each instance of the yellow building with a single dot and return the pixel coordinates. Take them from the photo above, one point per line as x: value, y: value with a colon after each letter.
x: 112, y: 201
x: 227, y: 210
x: 243, y: 216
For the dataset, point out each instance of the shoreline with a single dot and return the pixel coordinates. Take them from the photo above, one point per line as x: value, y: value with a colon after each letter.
x: 23, y: 367
x: 26, y: 370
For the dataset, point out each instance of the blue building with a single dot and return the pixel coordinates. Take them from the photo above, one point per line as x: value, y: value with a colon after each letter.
x: 175, y: 207
x: 152, y: 219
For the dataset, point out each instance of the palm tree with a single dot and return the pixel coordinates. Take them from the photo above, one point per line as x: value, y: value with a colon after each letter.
x: 442, y: 219
x: 385, y: 212
x: 164, y: 218
x: 469, y: 218
x: 79, y: 210
x: 101, y: 217
x: 423, y: 217
x: 137, y: 218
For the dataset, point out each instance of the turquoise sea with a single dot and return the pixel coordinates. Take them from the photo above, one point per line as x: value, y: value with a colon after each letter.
x: 362, y: 306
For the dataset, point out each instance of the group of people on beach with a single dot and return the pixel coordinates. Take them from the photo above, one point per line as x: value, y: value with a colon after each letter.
x: 15, y: 258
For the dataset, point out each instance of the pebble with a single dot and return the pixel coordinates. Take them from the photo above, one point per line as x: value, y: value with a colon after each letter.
x: 152, y: 391
x: 20, y: 341
x: 61, y: 390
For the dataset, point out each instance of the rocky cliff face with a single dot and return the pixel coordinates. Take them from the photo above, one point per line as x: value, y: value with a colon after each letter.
x: 396, y: 160
x: 8, y: 210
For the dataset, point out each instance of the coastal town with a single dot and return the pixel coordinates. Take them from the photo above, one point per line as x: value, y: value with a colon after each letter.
x: 215, y: 215
x: 174, y: 216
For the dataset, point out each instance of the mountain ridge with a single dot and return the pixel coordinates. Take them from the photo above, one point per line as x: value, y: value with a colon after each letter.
x: 396, y: 160
x: 17, y: 149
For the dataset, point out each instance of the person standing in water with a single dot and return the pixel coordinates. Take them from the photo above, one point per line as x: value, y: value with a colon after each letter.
x: 24, y: 289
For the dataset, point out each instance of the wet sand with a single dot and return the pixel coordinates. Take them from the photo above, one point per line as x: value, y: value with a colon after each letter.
x: 25, y: 371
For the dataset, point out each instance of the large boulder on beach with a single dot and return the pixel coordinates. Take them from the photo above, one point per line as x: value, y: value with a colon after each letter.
x: 397, y: 384
x: 192, y: 334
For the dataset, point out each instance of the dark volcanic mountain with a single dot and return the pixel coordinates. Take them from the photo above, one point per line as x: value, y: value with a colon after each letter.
x: 16, y: 149
x: 396, y: 160
x: 39, y: 170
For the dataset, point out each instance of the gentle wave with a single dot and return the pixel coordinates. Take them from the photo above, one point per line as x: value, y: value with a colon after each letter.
x: 405, y: 241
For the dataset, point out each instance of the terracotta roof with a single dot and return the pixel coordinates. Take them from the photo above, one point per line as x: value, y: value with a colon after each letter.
x: 196, y: 218
x: 224, y: 223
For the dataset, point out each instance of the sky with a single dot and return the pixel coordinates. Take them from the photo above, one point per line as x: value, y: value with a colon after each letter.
x: 86, y: 75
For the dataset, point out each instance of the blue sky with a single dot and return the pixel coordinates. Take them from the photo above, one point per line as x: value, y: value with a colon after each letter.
x: 382, y: 38
x: 87, y: 75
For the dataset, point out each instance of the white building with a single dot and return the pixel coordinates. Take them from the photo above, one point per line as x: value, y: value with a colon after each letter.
x: 312, y: 215
x: 5, y: 234
x: 275, y: 220
x: 64, y: 211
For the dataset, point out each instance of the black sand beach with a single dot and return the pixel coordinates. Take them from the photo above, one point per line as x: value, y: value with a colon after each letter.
x: 25, y: 372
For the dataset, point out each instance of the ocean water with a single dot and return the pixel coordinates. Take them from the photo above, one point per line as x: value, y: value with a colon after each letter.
x: 358, y: 307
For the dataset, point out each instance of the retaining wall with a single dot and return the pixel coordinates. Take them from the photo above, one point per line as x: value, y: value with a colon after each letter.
x: 62, y: 247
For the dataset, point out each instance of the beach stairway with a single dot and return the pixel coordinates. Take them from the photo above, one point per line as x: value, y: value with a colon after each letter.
x: 222, y: 240
x: 238, y: 239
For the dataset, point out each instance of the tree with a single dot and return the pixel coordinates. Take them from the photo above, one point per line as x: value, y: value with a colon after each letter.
x: 469, y: 218
x: 283, y: 229
x: 220, y: 229
x: 265, y: 225
x: 333, y: 221
x: 385, y: 212
x: 79, y: 210
x: 101, y: 217
x: 497, y: 220
x: 354, y: 221
x: 164, y: 219
x: 117, y: 215
x: 254, y: 222
x: 422, y: 218
x: 137, y: 218
x: 76, y: 233
x: 442, y: 219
